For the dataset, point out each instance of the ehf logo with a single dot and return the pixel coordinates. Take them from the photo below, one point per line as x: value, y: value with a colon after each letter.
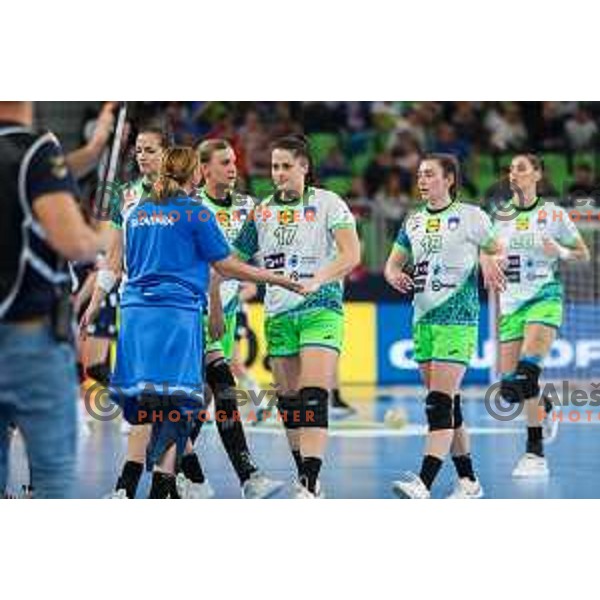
x: 293, y: 261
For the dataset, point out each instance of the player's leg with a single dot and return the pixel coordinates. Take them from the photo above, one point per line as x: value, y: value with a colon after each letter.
x: 283, y: 349
x: 534, y: 328
x: 321, y: 341
x: 444, y: 353
x: 223, y: 387
x: 286, y: 375
x: 163, y: 477
x: 131, y: 473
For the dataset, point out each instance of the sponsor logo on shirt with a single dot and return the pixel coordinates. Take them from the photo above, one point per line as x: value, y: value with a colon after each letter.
x: 275, y: 261
x: 522, y: 223
x: 432, y: 225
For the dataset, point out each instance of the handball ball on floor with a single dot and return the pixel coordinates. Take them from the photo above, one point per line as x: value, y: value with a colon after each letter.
x: 395, y: 418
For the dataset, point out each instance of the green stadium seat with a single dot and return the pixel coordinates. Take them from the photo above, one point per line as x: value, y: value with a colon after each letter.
x: 321, y: 145
x: 261, y: 187
x: 360, y: 162
x: 339, y: 184
x: 557, y: 169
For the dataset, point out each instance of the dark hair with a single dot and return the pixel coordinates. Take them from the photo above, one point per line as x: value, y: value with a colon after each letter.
x: 299, y: 146
x: 450, y: 166
x: 154, y: 129
x: 534, y: 160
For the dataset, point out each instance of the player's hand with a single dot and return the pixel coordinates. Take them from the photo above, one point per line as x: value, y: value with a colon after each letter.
x: 288, y: 284
x: 104, y: 124
x: 551, y: 247
x: 89, y: 316
x: 312, y: 285
x: 401, y: 281
x: 216, y: 324
x: 492, y: 269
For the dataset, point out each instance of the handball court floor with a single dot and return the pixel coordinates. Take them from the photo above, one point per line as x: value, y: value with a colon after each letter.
x: 365, y: 454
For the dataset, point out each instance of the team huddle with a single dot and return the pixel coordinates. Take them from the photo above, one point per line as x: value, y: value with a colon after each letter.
x: 181, y: 243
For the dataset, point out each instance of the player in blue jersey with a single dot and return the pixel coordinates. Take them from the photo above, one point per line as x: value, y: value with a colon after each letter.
x: 170, y: 242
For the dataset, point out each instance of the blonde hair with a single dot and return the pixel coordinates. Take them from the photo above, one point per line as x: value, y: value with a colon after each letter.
x: 176, y: 169
x: 207, y: 148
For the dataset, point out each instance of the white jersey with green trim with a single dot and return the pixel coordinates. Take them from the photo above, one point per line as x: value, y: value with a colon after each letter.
x: 231, y: 216
x: 296, y: 239
x: 531, y: 274
x: 444, y: 248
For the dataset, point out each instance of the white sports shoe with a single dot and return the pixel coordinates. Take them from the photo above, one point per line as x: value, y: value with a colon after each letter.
x: 466, y: 490
x: 531, y: 466
x: 411, y: 487
x: 188, y: 490
x: 259, y: 486
x: 117, y: 495
x: 299, y: 492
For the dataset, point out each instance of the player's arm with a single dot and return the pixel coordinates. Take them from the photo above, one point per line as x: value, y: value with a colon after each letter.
x: 394, y: 272
x: 492, y: 252
x: 347, y: 258
x: 84, y: 159
x: 109, y: 272
x: 216, y: 322
x: 569, y: 245
x: 399, y: 258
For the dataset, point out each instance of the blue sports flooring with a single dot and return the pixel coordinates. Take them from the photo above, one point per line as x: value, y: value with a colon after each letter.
x: 364, y: 455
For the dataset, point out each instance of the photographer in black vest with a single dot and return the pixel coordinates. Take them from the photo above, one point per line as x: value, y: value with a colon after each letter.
x: 41, y: 228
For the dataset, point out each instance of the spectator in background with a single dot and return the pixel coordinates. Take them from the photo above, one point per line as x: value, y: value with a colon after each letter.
x: 225, y: 129
x: 334, y: 164
x: 584, y: 189
x: 581, y: 131
x: 551, y: 133
x: 255, y: 141
x: 407, y: 154
x: 467, y: 123
x: 377, y: 171
x: 392, y: 200
x: 507, y: 131
x: 448, y: 143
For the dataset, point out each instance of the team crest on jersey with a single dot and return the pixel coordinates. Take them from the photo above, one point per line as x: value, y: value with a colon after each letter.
x: 453, y: 223
x: 542, y: 220
x: 522, y: 223
x: 310, y: 213
x: 432, y: 225
x: 240, y: 215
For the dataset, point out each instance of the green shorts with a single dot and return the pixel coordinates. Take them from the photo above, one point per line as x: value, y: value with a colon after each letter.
x: 287, y: 334
x: 227, y: 343
x: 444, y: 343
x: 544, y: 312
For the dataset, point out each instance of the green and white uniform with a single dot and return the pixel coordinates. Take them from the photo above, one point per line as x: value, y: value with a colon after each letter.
x: 296, y: 239
x: 534, y: 293
x: 231, y: 215
x: 444, y: 248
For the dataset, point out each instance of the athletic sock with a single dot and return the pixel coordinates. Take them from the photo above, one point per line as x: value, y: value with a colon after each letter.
x: 130, y: 478
x: 191, y: 468
x: 298, y: 460
x: 163, y: 486
x: 429, y: 469
x: 535, y: 443
x: 311, y: 467
x: 464, y: 467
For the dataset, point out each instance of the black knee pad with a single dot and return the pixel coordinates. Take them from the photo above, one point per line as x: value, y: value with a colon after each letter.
x: 219, y: 376
x: 438, y: 407
x: 457, y: 411
x: 315, y: 407
x: 524, y: 384
x: 290, y: 409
